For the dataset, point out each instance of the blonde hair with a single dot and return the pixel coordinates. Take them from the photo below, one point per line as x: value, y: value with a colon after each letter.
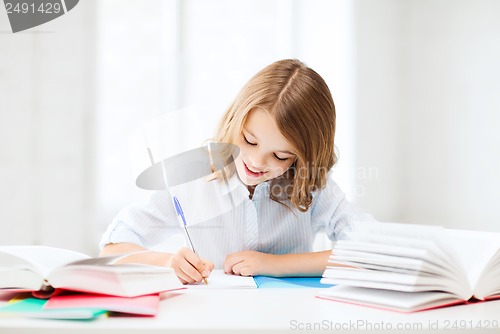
x: 302, y: 106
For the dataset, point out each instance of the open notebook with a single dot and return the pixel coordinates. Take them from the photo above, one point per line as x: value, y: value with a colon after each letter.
x: 219, y: 280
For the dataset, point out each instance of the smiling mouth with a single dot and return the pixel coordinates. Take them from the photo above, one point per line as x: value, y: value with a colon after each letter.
x: 252, y: 173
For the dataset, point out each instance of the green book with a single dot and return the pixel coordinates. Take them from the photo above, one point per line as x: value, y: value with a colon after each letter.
x: 34, y: 308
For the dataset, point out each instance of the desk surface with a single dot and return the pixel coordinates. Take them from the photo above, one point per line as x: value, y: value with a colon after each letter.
x: 269, y: 310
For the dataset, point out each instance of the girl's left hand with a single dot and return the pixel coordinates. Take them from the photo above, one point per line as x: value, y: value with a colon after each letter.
x: 250, y: 263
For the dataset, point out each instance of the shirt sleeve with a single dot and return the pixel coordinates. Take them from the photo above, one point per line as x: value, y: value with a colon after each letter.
x: 333, y: 213
x: 145, y: 224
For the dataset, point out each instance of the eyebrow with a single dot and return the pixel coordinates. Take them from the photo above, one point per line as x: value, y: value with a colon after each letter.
x: 251, y: 134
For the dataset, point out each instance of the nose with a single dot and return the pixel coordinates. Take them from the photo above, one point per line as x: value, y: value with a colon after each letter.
x: 258, y: 161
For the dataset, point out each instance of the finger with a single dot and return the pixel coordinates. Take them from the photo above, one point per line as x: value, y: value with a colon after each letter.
x: 190, y: 274
x: 238, y: 267
x: 185, y: 279
x: 183, y: 273
x: 246, y: 271
x: 193, y: 258
x: 229, y: 263
x: 185, y: 269
x: 209, y: 266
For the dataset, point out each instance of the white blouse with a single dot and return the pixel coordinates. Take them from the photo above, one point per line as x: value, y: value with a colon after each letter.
x: 222, y: 219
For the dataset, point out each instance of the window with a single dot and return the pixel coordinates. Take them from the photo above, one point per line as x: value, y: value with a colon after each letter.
x: 155, y: 57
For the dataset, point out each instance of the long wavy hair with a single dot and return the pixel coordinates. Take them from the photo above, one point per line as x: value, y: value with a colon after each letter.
x: 302, y: 106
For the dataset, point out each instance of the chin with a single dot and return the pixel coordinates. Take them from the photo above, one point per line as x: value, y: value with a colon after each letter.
x: 243, y: 177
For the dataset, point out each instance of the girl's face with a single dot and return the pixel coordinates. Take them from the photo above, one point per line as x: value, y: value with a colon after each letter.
x: 264, y: 152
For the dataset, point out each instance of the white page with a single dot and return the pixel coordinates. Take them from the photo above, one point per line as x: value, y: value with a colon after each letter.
x: 418, y: 241
x: 353, y: 262
x: 390, y: 299
x: 219, y: 280
x: 472, y: 250
x: 383, y: 260
x: 383, y: 276
x: 44, y: 259
x: 354, y: 245
x: 403, y: 281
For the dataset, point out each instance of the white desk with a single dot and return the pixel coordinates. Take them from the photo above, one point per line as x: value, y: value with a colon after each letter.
x: 268, y: 310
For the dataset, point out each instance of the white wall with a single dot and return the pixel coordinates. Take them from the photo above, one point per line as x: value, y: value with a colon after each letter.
x: 453, y: 104
x: 379, y: 113
x: 422, y: 76
x: 46, y: 116
x: 428, y: 116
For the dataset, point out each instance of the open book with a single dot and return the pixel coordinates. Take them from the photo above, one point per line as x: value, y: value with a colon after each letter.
x: 409, y: 268
x: 41, y: 268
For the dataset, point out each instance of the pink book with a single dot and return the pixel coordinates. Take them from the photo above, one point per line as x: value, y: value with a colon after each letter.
x: 147, y: 305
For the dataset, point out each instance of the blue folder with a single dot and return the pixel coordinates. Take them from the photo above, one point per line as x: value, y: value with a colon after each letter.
x: 289, y: 282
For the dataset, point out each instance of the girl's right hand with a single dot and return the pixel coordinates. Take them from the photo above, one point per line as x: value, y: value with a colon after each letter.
x: 189, y: 267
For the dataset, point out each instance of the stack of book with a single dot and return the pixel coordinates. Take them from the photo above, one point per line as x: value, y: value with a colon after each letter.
x: 409, y: 268
x: 48, y: 282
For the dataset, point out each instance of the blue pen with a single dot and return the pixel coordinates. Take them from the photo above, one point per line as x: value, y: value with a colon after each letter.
x: 180, y: 213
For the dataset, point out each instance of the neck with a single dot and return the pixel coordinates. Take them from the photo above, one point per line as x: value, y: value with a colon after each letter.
x: 251, y: 189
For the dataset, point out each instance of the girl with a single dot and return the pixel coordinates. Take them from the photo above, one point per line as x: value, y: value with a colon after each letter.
x: 283, y: 121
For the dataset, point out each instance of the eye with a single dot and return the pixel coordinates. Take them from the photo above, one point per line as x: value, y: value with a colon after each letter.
x: 249, y: 143
x: 280, y: 159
